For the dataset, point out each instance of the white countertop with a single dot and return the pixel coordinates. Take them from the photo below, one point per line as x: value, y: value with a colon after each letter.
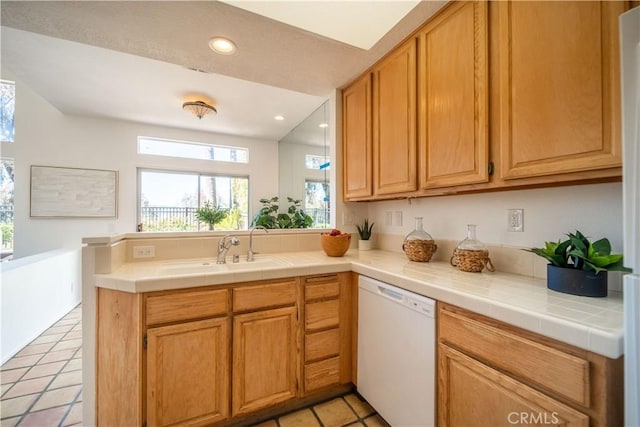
x: 594, y: 324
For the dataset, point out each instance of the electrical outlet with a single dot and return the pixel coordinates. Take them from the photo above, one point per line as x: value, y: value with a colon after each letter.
x: 144, y: 251
x: 515, y: 219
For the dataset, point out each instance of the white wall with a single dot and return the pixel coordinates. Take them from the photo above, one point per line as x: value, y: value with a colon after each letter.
x: 44, y: 136
x: 549, y: 214
x: 36, y: 292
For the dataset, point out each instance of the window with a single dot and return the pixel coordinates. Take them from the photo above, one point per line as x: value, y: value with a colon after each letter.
x: 316, y: 162
x: 168, y: 200
x: 192, y: 150
x: 7, y: 110
x: 6, y: 206
x: 317, y: 203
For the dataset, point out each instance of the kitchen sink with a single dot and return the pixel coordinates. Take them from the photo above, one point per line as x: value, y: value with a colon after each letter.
x: 200, y: 266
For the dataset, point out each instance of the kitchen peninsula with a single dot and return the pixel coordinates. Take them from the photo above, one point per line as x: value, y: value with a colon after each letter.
x: 295, y: 286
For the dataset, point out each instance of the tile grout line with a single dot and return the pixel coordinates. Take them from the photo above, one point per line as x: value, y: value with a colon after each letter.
x: 55, y: 376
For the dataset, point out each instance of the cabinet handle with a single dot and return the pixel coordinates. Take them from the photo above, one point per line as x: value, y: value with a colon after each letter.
x: 490, y: 168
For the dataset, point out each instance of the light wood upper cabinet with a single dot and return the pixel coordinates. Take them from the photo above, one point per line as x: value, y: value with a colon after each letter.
x: 558, y: 85
x: 265, y: 359
x: 453, y: 97
x: 394, y: 121
x: 356, y: 139
x: 188, y: 373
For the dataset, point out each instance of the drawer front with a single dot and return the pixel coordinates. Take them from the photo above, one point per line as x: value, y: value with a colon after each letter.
x: 318, y: 291
x: 322, y: 315
x: 321, y: 345
x: 266, y: 295
x: 322, y: 374
x: 537, y: 363
x: 183, y: 306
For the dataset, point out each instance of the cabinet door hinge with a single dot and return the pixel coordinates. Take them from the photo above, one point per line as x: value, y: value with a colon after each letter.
x: 490, y: 168
x: 144, y: 342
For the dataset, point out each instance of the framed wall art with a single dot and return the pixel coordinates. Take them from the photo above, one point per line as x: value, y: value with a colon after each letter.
x: 59, y: 192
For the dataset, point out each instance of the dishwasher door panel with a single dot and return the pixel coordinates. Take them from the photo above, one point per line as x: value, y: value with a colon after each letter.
x: 396, y: 354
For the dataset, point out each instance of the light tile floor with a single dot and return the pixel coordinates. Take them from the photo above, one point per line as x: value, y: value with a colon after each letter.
x: 41, y: 386
x: 349, y: 410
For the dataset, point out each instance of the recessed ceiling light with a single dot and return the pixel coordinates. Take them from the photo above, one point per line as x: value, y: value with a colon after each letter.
x: 222, y: 45
x: 323, y: 125
x: 279, y: 118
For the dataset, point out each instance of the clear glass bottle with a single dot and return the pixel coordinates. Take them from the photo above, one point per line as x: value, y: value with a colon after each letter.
x: 471, y: 242
x: 419, y: 245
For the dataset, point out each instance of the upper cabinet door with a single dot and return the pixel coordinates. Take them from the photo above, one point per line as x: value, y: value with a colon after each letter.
x: 453, y: 97
x: 356, y: 139
x: 559, y: 87
x: 394, y: 121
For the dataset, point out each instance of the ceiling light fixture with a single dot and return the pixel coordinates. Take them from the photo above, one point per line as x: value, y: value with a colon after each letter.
x: 222, y: 45
x: 199, y: 108
x: 279, y: 118
x: 323, y: 125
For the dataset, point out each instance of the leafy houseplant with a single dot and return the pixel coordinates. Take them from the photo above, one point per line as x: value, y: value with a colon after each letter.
x: 578, y: 266
x: 210, y: 214
x: 269, y: 217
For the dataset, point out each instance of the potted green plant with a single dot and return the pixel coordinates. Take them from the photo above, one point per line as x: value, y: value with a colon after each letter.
x: 211, y: 215
x: 578, y: 266
x: 269, y: 217
x: 364, y: 231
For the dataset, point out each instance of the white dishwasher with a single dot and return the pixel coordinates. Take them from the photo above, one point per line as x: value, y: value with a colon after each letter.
x: 396, y: 353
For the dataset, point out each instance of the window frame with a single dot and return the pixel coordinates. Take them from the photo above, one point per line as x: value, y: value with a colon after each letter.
x: 198, y: 174
x: 197, y: 143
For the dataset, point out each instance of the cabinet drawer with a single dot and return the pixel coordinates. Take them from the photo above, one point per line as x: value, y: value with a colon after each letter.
x: 266, y: 295
x: 182, y: 306
x: 322, y: 374
x: 316, y: 291
x: 321, y: 345
x: 321, y: 315
x: 539, y: 364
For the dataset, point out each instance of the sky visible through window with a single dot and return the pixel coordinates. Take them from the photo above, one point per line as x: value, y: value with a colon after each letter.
x: 7, y: 110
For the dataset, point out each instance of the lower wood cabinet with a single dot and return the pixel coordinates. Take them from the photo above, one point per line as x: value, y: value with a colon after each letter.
x: 265, y: 359
x: 188, y: 373
x: 214, y: 355
x: 479, y: 395
x: 494, y: 374
x: 327, y: 331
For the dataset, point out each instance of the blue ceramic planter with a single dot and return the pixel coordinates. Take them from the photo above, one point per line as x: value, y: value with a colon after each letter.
x: 577, y: 282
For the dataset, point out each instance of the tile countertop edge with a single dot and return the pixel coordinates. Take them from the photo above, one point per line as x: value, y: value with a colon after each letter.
x: 607, y: 342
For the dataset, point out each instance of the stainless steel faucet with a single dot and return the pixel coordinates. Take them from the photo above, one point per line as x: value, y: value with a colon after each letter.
x: 224, y: 245
x: 250, y: 253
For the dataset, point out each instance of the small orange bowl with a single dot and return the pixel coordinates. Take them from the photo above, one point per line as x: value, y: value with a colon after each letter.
x: 335, y: 245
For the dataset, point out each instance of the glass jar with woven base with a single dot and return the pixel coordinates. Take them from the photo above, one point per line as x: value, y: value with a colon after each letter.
x: 419, y: 245
x: 471, y: 254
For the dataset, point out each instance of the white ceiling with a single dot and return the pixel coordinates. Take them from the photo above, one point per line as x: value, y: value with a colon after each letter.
x: 360, y: 24
x: 133, y: 60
